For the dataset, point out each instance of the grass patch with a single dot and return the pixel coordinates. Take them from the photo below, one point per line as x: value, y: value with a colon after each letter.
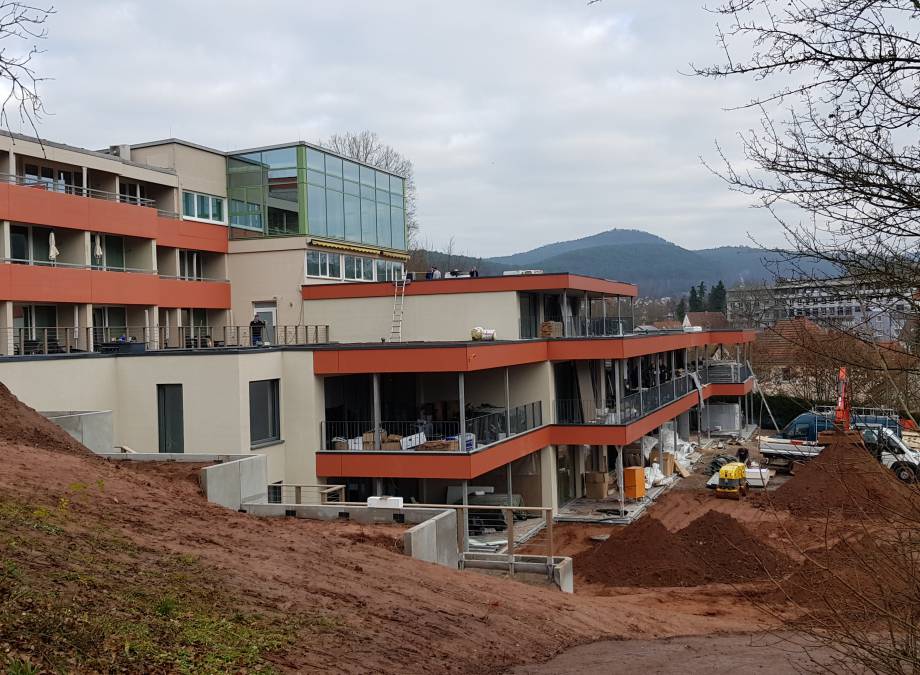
x: 76, y: 597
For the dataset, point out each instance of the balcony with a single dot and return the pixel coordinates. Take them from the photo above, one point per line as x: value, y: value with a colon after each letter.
x: 633, y: 407
x: 578, y: 327
x: 416, y: 437
x: 56, y: 340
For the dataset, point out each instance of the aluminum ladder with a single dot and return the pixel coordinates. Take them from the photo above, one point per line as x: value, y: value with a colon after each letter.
x: 399, y: 302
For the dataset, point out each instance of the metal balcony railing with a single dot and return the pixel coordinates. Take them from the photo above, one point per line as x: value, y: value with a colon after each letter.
x: 75, y: 266
x: 287, y: 335
x: 579, y: 326
x: 424, y: 436
x: 52, y: 185
x: 633, y: 406
x: 725, y: 372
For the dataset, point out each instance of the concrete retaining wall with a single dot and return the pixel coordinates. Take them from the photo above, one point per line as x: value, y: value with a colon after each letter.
x: 432, y: 539
x: 563, y: 576
x: 234, y: 483
x: 94, y: 429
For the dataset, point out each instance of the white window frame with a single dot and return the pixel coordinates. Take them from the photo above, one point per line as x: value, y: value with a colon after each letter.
x: 324, y: 259
x: 363, y: 259
x: 211, y: 198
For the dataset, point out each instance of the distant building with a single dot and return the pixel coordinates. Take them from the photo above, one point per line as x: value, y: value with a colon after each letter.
x: 840, y: 303
x: 706, y: 320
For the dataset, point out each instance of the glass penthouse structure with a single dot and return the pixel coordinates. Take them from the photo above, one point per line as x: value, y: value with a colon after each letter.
x: 303, y: 190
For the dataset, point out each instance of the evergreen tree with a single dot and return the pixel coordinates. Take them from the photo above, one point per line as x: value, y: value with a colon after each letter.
x: 717, y: 298
x: 701, y: 294
x: 694, y: 304
x: 681, y: 310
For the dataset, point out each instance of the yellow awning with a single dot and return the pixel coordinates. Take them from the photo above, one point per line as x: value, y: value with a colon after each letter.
x: 357, y: 248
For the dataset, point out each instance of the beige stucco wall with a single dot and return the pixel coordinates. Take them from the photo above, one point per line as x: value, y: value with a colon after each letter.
x: 198, y: 170
x: 53, y: 153
x: 215, y: 395
x: 425, y: 318
x: 267, y: 271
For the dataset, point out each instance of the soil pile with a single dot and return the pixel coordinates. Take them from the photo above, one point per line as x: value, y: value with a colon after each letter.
x: 713, y: 548
x: 21, y: 425
x: 867, y: 578
x: 845, y: 479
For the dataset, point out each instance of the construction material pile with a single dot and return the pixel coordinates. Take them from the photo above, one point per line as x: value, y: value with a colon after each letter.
x: 845, y: 479
x: 23, y: 426
x: 713, y: 548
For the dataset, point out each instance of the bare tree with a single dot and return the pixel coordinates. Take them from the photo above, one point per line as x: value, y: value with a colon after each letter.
x: 836, y: 160
x: 20, y: 24
x: 365, y: 146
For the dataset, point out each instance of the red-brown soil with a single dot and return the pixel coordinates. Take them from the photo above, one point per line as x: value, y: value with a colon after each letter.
x: 714, y: 548
x: 20, y: 424
x: 370, y: 609
x: 845, y: 480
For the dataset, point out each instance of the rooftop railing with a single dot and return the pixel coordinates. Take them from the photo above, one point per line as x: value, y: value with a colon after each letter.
x: 578, y: 327
x: 32, y: 341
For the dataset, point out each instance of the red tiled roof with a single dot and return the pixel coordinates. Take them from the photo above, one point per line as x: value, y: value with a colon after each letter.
x: 708, y: 320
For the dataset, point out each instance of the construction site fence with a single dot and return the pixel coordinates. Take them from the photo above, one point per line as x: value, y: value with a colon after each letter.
x: 305, y: 494
x: 510, y: 531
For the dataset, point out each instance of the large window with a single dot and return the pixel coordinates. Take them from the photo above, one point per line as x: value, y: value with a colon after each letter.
x: 359, y: 268
x: 388, y: 270
x: 325, y: 265
x: 264, y: 412
x: 202, y: 207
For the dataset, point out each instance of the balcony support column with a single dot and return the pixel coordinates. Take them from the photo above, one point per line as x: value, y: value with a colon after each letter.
x: 618, y: 366
x: 85, y: 327
x: 375, y: 378
x: 461, y: 436
x: 620, y: 479
x: 661, y: 449
x: 6, y: 246
x: 7, y: 343
x: 508, y: 413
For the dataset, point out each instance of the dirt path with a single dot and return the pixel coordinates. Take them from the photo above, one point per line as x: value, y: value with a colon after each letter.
x: 778, y: 654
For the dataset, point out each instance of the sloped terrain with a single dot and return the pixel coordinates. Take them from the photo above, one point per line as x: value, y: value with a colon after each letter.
x: 109, y: 567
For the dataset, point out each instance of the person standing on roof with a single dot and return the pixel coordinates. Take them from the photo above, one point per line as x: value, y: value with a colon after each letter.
x: 256, y: 326
x: 435, y: 273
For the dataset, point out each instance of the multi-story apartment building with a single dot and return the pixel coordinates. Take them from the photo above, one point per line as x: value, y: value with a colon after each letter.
x: 840, y: 303
x: 129, y: 278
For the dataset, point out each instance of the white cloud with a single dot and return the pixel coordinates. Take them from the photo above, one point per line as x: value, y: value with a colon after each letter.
x: 528, y: 121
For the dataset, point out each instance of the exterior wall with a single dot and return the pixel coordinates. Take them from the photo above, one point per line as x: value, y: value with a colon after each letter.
x: 426, y: 318
x: 198, y: 170
x: 56, y: 152
x: 267, y: 270
x: 215, y: 394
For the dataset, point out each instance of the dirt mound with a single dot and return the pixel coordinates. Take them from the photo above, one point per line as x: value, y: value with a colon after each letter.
x: 845, y: 479
x: 713, y: 548
x: 23, y: 426
x: 867, y: 578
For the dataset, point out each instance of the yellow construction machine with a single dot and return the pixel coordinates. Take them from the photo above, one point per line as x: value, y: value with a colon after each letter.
x: 732, y: 481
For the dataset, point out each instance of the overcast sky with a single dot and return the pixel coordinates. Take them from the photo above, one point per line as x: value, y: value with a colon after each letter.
x: 528, y: 122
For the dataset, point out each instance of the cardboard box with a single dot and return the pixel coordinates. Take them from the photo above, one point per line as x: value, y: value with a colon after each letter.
x: 596, y: 477
x: 596, y: 490
x: 634, y: 475
x: 667, y: 467
x: 551, y: 329
x: 368, y: 436
x: 340, y: 444
x: 635, y: 491
x: 391, y: 445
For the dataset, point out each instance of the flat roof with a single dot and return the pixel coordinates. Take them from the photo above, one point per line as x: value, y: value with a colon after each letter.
x: 101, y: 154
x: 454, y: 285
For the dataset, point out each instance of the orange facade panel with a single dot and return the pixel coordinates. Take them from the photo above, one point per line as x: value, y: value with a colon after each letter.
x: 408, y: 358
x: 192, y: 235
x: 35, y: 205
x: 42, y: 284
x: 198, y: 294
x: 468, y: 466
x: 451, y: 286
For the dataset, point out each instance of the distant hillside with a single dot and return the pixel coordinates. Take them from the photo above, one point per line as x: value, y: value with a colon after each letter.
x: 608, y: 238
x: 657, y: 266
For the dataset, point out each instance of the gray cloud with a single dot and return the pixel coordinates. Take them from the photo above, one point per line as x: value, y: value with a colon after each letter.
x: 528, y: 121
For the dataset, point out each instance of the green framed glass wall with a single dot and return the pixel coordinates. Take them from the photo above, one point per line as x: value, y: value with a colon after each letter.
x: 299, y: 190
